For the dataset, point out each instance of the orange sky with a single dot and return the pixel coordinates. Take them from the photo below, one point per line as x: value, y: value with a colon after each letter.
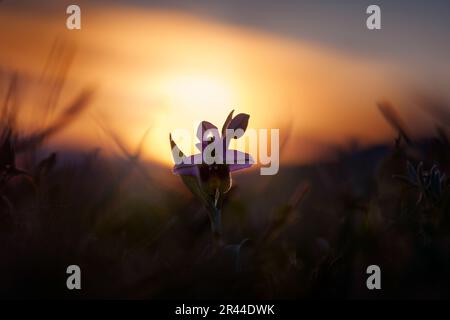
x: 168, y: 70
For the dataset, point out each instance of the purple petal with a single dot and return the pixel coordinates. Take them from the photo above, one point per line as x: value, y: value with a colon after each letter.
x: 191, y: 160
x: 201, y: 145
x: 236, y: 167
x: 240, y: 122
x: 227, y: 123
x: 186, y: 169
x: 205, y: 126
x: 235, y: 157
x: 176, y: 152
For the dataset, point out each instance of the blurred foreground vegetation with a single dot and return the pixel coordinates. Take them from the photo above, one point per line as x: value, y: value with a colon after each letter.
x: 136, y: 232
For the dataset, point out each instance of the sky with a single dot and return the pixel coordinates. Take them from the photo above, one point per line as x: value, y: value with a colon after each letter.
x: 311, y: 66
x: 409, y: 25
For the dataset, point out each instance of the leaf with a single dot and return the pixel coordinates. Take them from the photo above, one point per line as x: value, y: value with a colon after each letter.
x: 235, y: 250
x: 65, y: 118
x: 138, y: 152
x: 436, y: 183
x: 7, y: 152
x: 392, y: 117
x: 412, y: 173
x: 420, y: 175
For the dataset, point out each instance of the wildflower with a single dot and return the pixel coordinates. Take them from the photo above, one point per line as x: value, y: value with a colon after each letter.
x: 208, y: 173
x: 431, y: 184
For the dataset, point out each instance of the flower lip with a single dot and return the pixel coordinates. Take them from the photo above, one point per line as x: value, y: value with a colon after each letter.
x: 233, y: 159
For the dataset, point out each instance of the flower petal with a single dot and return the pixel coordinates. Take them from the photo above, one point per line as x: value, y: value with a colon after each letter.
x: 186, y: 169
x: 227, y: 123
x: 201, y: 145
x: 203, y: 127
x: 235, y: 157
x: 239, y: 124
x: 177, y: 154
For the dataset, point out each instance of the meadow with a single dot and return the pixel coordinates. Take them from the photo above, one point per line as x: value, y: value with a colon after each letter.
x: 137, y: 232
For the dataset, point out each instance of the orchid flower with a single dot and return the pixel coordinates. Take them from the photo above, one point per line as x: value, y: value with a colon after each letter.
x: 208, y: 173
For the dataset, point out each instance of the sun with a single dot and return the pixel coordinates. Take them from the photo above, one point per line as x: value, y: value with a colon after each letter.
x: 197, y: 92
x: 190, y: 98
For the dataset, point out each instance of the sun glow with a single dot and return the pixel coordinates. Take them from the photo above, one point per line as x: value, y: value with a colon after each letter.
x: 190, y: 98
x: 197, y: 91
x: 168, y: 71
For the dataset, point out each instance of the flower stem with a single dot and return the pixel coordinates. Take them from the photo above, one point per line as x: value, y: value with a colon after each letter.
x: 217, y: 226
x: 216, y: 219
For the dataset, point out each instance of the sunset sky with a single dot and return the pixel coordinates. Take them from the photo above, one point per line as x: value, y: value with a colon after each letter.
x: 167, y: 64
